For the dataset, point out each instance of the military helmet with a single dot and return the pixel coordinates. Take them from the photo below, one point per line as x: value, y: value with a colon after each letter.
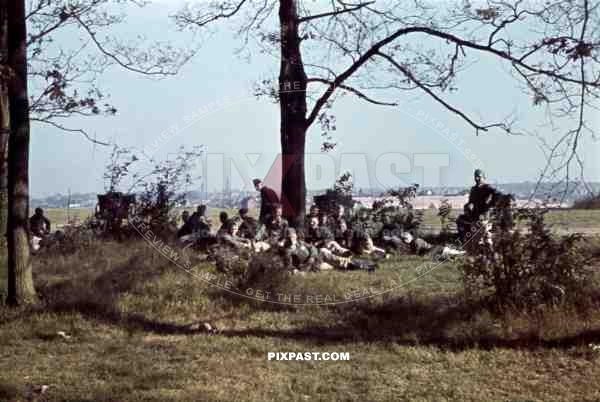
x: 479, y: 172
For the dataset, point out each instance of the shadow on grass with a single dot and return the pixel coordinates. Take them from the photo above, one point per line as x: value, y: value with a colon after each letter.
x: 9, y: 392
x: 435, y: 323
x: 441, y: 320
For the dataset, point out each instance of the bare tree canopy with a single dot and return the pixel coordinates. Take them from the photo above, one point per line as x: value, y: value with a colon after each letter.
x: 64, y: 76
x: 374, y: 49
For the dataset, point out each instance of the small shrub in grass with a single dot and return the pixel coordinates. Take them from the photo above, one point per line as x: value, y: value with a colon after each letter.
x: 232, y: 263
x: 527, y: 270
x: 70, y: 241
x: 264, y: 271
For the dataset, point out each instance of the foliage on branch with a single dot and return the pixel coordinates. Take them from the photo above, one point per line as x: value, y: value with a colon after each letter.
x: 341, y: 194
x: 398, y: 205
x: 160, y: 185
x: 64, y: 76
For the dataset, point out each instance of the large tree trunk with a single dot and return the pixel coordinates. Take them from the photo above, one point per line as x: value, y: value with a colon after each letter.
x: 292, y: 87
x: 4, y: 121
x: 20, y: 278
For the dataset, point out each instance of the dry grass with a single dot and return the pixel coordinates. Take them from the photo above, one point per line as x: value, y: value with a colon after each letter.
x: 129, y: 314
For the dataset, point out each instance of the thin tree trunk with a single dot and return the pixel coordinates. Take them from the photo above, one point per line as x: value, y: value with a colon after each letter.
x: 20, y: 278
x: 292, y: 86
x: 4, y: 121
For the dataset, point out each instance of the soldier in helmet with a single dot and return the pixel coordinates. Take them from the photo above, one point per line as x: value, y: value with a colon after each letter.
x: 482, y: 198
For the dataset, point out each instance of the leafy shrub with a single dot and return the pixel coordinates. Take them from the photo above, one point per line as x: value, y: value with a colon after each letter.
x: 341, y: 194
x: 160, y: 189
x: 265, y: 271
x: 528, y: 269
x: 69, y: 241
x: 445, y: 214
x: 398, y: 205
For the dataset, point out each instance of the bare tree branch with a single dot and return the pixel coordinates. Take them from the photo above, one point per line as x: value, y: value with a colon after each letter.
x: 334, y: 13
x: 354, y: 91
x: 71, y: 130
x: 203, y: 20
x: 411, y: 76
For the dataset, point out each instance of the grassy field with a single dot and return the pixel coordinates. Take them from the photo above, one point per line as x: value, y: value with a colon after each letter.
x: 129, y: 314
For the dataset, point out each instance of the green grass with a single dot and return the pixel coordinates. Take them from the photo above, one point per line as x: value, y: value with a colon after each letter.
x: 129, y: 313
x: 60, y: 216
x: 571, y: 220
x: 565, y: 220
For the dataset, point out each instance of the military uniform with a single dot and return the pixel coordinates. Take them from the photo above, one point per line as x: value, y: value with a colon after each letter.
x: 268, y: 199
x: 39, y: 225
x: 389, y: 235
x: 341, y: 232
x: 481, y: 198
x: 272, y: 231
x: 248, y: 228
x: 302, y: 256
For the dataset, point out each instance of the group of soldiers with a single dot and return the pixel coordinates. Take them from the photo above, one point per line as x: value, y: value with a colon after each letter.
x: 329, y: 239
x: 314, y: 249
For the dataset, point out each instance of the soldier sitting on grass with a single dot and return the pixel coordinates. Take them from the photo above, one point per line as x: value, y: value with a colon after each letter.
x: 39, y: 225
x: 249, y: 225
x: 300, y: 256
x: 390, y: 234
x: 362, y: 241
x: 196, y: 230
x: 319, y: 235
x: 224, y: 219
x: 320, y: 259
x: 228, y: 235
x: 341, y: 232
x: 273, y: 231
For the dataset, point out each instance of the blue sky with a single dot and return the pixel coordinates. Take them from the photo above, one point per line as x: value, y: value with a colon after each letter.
x: 365, y: 132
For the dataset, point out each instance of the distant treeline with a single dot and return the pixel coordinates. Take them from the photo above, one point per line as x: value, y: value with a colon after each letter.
x: 589, y: 202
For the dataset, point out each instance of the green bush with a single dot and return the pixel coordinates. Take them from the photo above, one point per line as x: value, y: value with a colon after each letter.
x: 526, y: 270
x: 265, y: 271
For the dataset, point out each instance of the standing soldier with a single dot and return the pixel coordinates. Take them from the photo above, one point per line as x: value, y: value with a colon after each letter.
x: 481, y: 199
x: 268, y: 199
